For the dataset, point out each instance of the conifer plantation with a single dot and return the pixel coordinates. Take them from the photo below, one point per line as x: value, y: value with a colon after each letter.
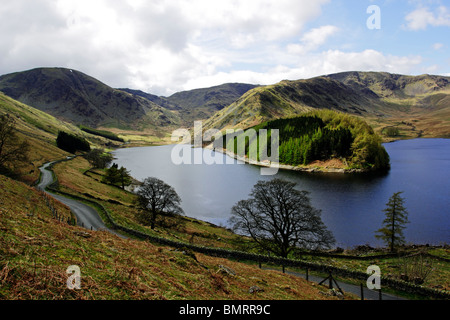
x: 321, y: 135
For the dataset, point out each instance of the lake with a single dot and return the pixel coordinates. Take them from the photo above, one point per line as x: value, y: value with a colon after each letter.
x: 351, y: 204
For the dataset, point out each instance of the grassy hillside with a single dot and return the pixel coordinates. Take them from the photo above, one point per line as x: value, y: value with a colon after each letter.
x: 80, y: 99
x: 289, y: 98
x: 36, y: 250
x: 40, y: 130
x: 417, y: 105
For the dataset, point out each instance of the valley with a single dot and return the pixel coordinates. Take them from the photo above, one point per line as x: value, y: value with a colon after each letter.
x: 36, y: 249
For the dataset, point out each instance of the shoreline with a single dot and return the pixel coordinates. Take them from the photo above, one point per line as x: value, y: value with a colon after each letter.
x: 281, y: 166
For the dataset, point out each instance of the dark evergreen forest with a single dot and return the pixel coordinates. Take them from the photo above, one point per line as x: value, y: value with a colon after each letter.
x: 71, y: 143
x: 319, y: 135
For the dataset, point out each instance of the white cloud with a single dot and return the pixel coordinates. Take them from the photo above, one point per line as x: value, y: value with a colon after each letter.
x: 257, y: 20
x: 438, y: 46
x: 327, y: 62
x: 163, y: 46
x: 151, y: 44
x: 422, y: 17
x: 313, y: 39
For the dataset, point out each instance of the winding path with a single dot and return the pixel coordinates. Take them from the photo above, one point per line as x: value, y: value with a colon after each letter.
x: 87, y: 216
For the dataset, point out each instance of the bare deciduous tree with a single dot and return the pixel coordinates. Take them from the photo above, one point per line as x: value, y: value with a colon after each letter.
x: 155, y: 197
x: 280, y: 218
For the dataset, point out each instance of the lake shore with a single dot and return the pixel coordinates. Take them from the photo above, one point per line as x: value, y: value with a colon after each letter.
x: 332, y: 166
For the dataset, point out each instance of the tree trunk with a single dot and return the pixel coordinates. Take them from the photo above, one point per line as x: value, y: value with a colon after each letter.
x: 152, y: 226
x: 393, y: 227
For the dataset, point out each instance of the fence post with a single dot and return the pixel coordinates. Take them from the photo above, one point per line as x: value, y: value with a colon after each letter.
x: 362, y: 291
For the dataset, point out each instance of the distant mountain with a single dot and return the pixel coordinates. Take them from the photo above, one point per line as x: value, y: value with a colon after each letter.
x: 198, y: 104
x: 203, y: 103
x: 421, y: 103
x: 78, y: 98
x: 161, y: 101
x: 386, y: 85
x: 375, y: 95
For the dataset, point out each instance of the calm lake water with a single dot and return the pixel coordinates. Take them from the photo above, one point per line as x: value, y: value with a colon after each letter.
x: 351, y: 204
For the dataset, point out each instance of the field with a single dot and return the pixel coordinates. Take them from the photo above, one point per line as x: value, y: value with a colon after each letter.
x: 36, y: 249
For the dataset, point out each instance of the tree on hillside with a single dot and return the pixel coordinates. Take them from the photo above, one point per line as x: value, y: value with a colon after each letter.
x: 117, y: 176
x: 13, y: 151
x: 155, y: 197
x: 394, y: 223
x: 124, y: 177
x: 392, y: 132
x: 280, y: 218
x: 98, y: 158
x: 71, y: 143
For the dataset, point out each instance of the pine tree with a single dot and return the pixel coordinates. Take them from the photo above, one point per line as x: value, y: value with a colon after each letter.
x: 394, y: 223
x: 125, y: 177
x: 116, y: 176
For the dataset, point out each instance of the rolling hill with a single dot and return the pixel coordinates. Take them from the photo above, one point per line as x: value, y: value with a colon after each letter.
x: 198, y: 104
x: 421, y: 103
x: 75, y: 97
x: 419, y: 106
x: 203, y: 103
x: 40, y: 130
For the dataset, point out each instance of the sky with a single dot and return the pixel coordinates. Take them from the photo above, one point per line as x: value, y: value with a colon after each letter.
x: 166, y: 46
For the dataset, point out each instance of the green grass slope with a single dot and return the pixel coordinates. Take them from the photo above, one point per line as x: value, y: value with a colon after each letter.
x: 40, y: 130
x: 80, y: 99
x: 289, y: 98
x: 383, y: 99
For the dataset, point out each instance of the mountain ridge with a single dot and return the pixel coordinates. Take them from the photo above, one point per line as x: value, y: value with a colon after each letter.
x: 385, y: 98
x: 198, y: 104
x: 76, y: 97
